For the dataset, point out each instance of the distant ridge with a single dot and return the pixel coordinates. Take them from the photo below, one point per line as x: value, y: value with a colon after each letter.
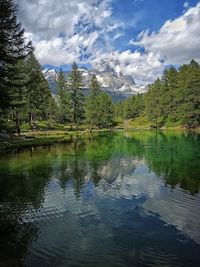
x: 118, y: 85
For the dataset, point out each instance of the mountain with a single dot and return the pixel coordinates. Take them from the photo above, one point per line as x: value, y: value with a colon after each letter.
x: 116, y: 84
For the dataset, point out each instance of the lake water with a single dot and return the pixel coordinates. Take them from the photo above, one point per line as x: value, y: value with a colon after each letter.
x: 119, y: 199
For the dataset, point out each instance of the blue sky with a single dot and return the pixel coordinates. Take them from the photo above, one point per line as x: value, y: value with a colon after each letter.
x: 137, y: 37
x: 147, y: 14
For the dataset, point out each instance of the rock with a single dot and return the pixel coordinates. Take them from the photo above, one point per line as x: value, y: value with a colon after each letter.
x: 164, y: 128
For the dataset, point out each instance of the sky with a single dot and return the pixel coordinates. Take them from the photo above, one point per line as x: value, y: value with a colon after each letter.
x: 137, y: 37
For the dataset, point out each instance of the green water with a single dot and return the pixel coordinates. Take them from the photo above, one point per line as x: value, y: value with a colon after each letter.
x: 117, y: 199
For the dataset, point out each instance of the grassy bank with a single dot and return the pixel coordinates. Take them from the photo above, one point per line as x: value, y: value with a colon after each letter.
x: 42, y: 138
x: 6, y: 145
x: 64, y: 134
x: 143, y: 123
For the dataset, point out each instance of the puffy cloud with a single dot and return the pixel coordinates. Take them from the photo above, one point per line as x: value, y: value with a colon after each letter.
x: 84, y: 31
x: 177, y: 41
x: 64, y: 31
x: 144, y: 67
x: 48, y: 18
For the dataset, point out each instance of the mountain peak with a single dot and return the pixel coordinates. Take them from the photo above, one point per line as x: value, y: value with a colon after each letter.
x: 110, y: 77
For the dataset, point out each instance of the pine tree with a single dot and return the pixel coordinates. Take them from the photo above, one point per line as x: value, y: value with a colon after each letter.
x: 189, y: 95
x: 105, y: 113
x: 12, y: 49
x: 175, y: 99
x: 18, y: 99
x: 168, y: 95
x: 63, y: 98
x: 153, y: 102
x: 76, y: 95
x: 39, y: 97
x: 94, y: 86
x: 91, y: 107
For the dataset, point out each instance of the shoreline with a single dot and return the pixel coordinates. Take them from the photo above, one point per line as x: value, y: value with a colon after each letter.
x: 45, y: 138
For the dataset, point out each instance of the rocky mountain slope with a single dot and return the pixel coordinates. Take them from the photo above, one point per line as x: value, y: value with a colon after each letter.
x: 118, y: 85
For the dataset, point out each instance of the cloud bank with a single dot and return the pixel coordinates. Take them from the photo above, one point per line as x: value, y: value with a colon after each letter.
x: 86, y: 30
x: 177, y: 41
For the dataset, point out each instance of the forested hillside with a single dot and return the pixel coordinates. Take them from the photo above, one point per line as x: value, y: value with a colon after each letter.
x: 173, y: 100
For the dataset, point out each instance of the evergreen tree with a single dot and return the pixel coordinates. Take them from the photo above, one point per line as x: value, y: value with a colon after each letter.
x: 12, y: 49
x: 133, y: 107
x: 189, y: 95
x: 119, y: 110
x: 91, y: 107
x: 38, y: 94
x: 153, y: 102
x: 175, y: 99
x: 169, y: 100
x: 105, y: 113
x: 95, y: 87
x: 76, y: 95
x: 63, y: 98
x: 18, y: 99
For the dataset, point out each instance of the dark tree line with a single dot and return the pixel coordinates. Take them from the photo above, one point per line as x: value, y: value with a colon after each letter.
x: 172, y: 100
x: 175, y: 98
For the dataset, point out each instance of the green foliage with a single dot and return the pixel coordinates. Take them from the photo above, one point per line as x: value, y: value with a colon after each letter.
x: 130, y: 108
x: 63, y: 98
x: 105, y: 111
x: 99, y: 108
x: 138, y: 123
x: 153, y: 103
x: 25, y: 97
x: 18, y: 97
x: 39, y: 99
x: 175, y: 99
x: 76, y: 95
x: 91, y: 105
x: 12, y: 49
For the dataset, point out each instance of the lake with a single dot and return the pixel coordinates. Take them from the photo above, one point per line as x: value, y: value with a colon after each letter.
x: 114, y: 199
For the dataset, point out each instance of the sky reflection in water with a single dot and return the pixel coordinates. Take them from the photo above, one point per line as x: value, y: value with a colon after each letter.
x: 125, y: 199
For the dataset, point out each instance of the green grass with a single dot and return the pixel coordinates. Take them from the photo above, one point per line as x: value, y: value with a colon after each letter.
x: 138, y: 123
x: 60, y: 133
x: 41, y: 138
x: 25, y: 143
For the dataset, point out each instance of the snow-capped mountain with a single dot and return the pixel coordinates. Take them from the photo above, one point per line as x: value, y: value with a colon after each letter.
x: 118, y: 85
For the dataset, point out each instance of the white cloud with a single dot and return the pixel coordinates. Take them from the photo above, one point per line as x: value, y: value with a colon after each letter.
x: 84, y: 30
x: 178, y: 41
x: 62, y: 31
x: 144, y: 67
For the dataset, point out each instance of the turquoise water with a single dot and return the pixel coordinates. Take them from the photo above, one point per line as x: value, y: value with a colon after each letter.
x: 117, y: 199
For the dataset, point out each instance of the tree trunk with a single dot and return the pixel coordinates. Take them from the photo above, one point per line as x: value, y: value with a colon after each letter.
x: 17, y: 123
x: 30, y: 118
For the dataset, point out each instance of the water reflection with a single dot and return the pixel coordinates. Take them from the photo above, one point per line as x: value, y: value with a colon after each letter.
x: 117, y: 200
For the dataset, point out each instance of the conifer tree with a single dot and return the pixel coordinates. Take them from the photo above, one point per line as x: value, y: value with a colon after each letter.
x: 169, y: 90
x: 189, y: 95
x: 18, y: 98
x: 63, y: 98
x: 153, y: 102
x: 91, y: 107
x: 105, y: 113
x: 76, y: 95
x: 38, y: 93
x: 12, y: 49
